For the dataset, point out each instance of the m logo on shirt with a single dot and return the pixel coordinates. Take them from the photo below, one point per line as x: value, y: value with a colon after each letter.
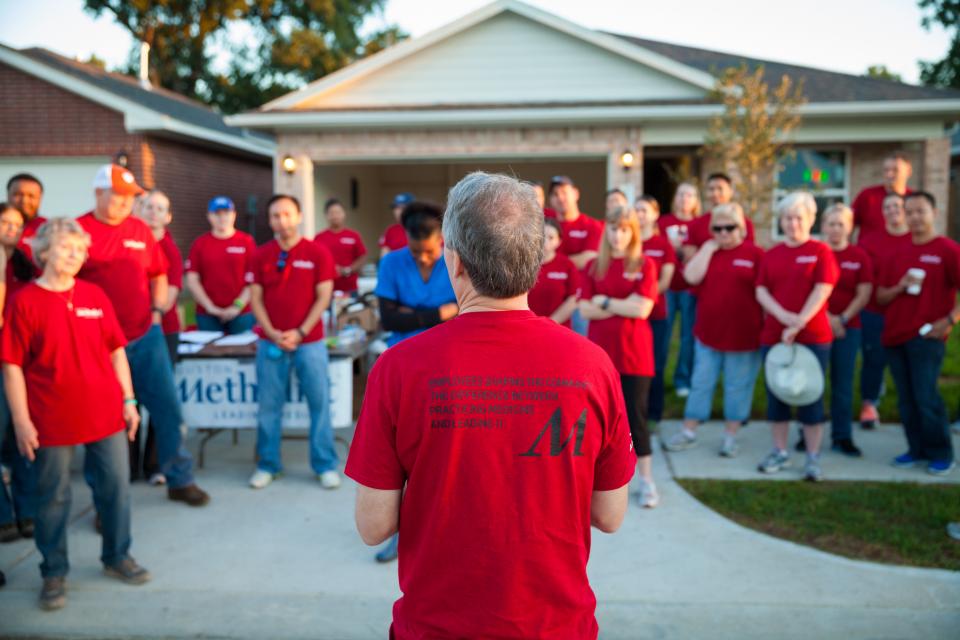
x: 557, y: 445
x: 238, y: 250
x: 303, y: 264
x: 86, y: 312
x: 806, y: 259
x: 557, y: 275
x: 137, y: 245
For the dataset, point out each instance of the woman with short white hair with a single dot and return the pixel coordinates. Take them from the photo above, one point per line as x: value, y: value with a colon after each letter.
x: 796, y: 279
x: 68, y: 382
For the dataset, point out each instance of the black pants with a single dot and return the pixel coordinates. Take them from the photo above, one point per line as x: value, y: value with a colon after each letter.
x: 148, y: 460
x: 636, y: 391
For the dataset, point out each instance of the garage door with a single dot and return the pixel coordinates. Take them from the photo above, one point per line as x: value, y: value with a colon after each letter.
x: 67, y: 182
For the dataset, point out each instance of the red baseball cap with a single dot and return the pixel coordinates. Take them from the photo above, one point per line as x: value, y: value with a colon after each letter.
x: 118, y: 179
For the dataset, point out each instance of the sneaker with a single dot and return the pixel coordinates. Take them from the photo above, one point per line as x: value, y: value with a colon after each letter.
x: 801, y: 446
x: 53, y: 595
x: 329, y: 479
x: 905, y: 461
x: 390, y: 551
x: 729, y: 448
x: 683, y: 392
x: 953, y: 530
x: 191, y: 494
x: 775, y: 461
x: 847, y: 448
x: 940, y: 467
x: 812, y: 471
x: 25, y: 527
x: 9, y: 531
x: 869, y: 418
x: 680, y: 441
x: 649, y: 498
x: 260, y: 479
x: 158, y: 479
x: 127, y: 570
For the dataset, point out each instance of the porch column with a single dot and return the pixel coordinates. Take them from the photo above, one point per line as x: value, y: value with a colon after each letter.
x: 298, y: 184
x: 627, y: 179
x: 936, y: 177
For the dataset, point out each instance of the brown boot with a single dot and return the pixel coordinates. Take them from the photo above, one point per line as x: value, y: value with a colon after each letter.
x: 191, y: 494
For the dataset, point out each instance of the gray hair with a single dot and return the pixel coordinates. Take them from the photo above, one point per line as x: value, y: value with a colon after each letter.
x: 802, y: 200
x: 51, y: 229
x: 496, y: 226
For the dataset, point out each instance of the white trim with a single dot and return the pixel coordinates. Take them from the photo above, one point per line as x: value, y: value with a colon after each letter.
x: 137, y: 118
x: 779, y: 192
x: 409, y: 47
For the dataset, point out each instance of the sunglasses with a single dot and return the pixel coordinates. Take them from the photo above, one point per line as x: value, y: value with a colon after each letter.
x: 282, y: 261
x: 719, y: 228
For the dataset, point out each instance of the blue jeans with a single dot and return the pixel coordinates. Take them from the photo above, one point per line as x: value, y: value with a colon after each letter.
x: 107, y: 462
x: 661, y: 345
x: 843, y: 360
x: 915, y: 366
x: 874, y: 356
x: 578, y: 323
x: 311, y: 363
x: 684, y: 303
x: 809, y: 415
x: 241, y: 324
x: 739, y: 369
x: 19, y: 504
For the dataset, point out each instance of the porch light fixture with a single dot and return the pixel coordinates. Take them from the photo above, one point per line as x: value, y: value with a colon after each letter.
x: 289, y: 164
x: 627, y: 160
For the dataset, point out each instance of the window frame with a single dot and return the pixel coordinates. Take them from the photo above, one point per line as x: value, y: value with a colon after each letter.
x: 833, y: 192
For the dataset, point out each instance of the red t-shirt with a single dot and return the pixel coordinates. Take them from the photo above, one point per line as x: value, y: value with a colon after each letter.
x: 73, y: 394
x: 940, y: 259
x: 223, y: 266
x: 289, y: 293
x: 582, y: 234
x: 662, y: 252
x: 881, y: 247
x: 346, y: 246
x: 729, y: 318
x: 30, y: 230
x: 790, y: 274
x: 558, y: 280
x: 122, y: 260
x: 856, y: 268
x: 480, y: 418
x: 699, y: 231
x: 868, y: 210
x: 664, y: 224
x: 394, y: 238
x: 171, y: 319
x: 628, y: 341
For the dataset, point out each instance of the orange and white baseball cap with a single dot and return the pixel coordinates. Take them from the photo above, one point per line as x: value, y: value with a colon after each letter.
x: 118, y: 179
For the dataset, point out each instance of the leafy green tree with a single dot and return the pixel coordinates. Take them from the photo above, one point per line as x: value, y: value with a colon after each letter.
x: 945, y: 72
x: 292, y: 42
x: 880, y: 72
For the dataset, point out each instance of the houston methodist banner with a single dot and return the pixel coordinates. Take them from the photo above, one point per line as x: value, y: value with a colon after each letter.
x: 221, y: 393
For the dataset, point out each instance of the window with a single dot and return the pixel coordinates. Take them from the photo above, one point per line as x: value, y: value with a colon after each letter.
x: 821, y: 172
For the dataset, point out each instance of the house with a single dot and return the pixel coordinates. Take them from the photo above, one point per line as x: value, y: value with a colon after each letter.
x: 61, y: 119
x: 512, y: 88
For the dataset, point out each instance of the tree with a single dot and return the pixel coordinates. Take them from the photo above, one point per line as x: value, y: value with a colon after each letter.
x: 752, y: 133
x: 880, y: 72
x: 945, y: 72
x: 294, y: 42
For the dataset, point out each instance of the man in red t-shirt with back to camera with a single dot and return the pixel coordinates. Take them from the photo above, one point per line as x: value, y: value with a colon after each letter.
x: 492, y: 442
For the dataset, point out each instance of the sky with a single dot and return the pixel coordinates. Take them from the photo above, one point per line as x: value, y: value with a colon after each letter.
x: 839, y: 35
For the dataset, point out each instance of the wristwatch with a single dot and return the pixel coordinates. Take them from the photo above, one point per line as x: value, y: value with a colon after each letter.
x: 606, y: 303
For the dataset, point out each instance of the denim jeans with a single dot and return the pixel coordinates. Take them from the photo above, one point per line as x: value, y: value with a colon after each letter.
x: 915, y: 366
x: 843, y: 360
x: 19, y: 503
x: 874, y: 356
x: 311, y: 363
x: 739, y: 370
x: 684, y: 303
x: 107, y: 463
x: 578, y: 323
x: 661, y: 345
x: 241, y: 324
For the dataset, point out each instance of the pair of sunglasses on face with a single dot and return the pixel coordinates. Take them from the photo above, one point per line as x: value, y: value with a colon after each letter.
x: 721, y: 228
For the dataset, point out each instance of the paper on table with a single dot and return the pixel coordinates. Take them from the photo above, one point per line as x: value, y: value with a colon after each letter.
x: 199, y: 337
x: 237, y: 340
x: 187, y: 348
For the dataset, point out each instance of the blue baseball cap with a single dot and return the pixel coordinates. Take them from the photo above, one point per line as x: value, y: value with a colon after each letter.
x: 402, y: 199
x: 221, y: 203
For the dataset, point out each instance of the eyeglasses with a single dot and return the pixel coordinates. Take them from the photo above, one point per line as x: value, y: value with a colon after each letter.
x: 720, y: 228
x: 282, y: 261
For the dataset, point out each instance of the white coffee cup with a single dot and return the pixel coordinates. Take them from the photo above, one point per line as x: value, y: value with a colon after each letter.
x: 673, y: 233
x: 918, y: 274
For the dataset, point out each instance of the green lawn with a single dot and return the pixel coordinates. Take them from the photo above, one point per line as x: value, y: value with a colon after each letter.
x: 895, y: 523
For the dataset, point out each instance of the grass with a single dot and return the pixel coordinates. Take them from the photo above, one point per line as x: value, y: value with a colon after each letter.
x: 893, y: 523
x: 949, y: 387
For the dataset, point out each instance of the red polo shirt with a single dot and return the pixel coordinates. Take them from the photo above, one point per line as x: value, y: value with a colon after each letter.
x: 582, y: 234
x: 223, y: 266
x: 346, y: 246
x: 729, y: 318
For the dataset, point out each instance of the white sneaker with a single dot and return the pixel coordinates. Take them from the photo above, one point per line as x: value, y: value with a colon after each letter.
x: 649, y: 498
x: 729, y: 448
x: 329, y: 479
x: 681, y: 441
x: 158, y: 479
x: 683, y: 392
x: 260, y: 479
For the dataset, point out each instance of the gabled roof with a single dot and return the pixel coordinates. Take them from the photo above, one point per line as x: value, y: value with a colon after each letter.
x: 154, y: 109
x: 818, y: 85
